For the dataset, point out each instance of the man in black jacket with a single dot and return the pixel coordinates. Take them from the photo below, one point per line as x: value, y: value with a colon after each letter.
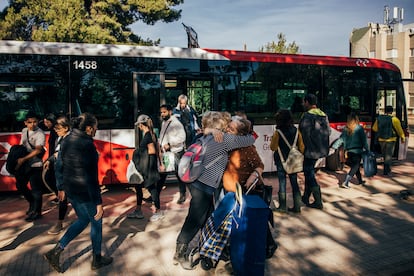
x: 315, y: 130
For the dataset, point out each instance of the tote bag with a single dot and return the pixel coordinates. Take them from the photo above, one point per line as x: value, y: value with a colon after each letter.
x: 133, y: 175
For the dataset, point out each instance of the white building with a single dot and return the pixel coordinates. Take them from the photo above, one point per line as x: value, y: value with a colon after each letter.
x: 391, y: 41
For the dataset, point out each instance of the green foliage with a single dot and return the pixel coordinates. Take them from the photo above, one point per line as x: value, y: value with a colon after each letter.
x: 280, y: 46
x: 87, y: 21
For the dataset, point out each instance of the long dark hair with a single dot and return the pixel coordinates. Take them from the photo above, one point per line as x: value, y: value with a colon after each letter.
x: 284, y: 118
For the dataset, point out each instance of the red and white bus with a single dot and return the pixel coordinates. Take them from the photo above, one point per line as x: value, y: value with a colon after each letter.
x: 118, y: 82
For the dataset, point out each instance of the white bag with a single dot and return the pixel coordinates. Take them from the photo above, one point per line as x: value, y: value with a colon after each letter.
x: 133, y: 176
x: 169, y: 161
x: 294, y: 161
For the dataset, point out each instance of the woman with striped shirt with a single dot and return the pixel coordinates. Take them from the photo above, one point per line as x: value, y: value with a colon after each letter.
x: 202, y: 190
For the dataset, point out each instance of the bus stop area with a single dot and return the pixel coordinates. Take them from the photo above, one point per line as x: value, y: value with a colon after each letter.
x: 365, y: 230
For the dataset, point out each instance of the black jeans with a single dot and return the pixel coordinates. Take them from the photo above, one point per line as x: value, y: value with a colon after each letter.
x: 33, y: 195
x: 201, y: 206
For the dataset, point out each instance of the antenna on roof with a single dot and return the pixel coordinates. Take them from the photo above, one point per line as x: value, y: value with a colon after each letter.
x: 397, y: 15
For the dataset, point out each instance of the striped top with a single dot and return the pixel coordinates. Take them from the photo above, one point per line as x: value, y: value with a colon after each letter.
x: 216, y: 158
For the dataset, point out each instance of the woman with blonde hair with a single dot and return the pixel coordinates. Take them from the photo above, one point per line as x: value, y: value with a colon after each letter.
x: 203, y: 188
x: 355, y: 141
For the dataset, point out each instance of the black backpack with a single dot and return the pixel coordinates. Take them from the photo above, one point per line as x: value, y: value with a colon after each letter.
x: 185, y: 119
x: 16, y: 152
x: 385, y: 128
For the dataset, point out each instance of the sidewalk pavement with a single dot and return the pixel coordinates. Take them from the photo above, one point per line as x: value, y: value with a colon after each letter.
x: 365, y: 230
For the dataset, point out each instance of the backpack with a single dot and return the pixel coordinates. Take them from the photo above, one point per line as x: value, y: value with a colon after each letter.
x: 16, y: 152
x: 186, y: 121
x: 191, y: 163
x: 385, y: 127
x: 316, y: 129
x: 294, y: 160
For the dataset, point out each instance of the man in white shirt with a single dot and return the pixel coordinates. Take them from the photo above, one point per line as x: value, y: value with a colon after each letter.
x: 33, y: 139
x: 172, y: 138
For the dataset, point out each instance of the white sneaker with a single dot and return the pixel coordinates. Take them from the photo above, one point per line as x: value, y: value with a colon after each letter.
x: 137, y: 214
x: 157, y: 216
x: 345, y: 186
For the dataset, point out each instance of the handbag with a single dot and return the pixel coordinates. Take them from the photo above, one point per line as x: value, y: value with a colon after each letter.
x: 133, y: 175
x: 294, y: 160
x: 169, y: 161
x: 16, y: 152
x: 369, y: 162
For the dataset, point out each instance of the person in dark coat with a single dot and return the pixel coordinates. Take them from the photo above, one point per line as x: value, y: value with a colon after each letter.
x: 80, y: 173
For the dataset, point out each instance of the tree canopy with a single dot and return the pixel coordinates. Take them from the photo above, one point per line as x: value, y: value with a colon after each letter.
x: 88, y: 21
x: 281, y: 46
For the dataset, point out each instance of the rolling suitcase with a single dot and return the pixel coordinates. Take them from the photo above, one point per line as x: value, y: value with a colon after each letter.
x: 248, y: 236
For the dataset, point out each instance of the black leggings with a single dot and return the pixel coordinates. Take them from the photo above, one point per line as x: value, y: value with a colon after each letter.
x: 153, y: 189
x: 201, y: 206
x: 354, y: 161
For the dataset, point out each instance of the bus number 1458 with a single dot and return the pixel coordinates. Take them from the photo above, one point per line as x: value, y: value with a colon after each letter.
x: 85, y: 64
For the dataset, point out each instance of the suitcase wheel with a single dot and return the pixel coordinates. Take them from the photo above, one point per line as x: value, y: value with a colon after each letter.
x: 206, y: 263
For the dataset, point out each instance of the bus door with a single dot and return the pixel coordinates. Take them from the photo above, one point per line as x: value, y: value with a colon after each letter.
x: 154, y: 89
x: 393, y: 96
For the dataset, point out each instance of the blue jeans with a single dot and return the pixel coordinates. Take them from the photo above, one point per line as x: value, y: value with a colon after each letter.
x: 85, y: 212
x: 309, y: 172
x: 281, y: 175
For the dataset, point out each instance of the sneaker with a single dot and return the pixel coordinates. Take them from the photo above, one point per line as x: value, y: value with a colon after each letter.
x: 157, y: 216
x: 137, y: 214
x: 56, y: 229
x: 345, y: 186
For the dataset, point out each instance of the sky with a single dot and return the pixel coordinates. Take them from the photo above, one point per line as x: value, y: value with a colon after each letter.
x: 319, y: 27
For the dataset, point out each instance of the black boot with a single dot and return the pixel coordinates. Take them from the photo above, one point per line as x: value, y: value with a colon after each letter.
x: 317, y: 204
x: 31, y: 209
x: 100, y: 261
x: 53, y: 256
x: 180, y: 251
x: 296, y: 203
x: 282, y: 203
x: 359, y: 177
x: 306, y: 195
x: 181, y: 199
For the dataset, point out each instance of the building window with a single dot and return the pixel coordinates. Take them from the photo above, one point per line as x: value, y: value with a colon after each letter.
x: 393, y: 53
x: 412, y: 52
x: 372, y: 54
